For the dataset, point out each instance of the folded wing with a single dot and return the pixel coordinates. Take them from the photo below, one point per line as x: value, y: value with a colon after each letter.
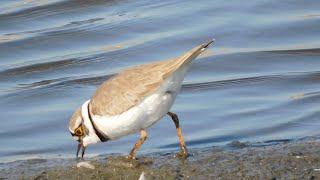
x: 130, y: 86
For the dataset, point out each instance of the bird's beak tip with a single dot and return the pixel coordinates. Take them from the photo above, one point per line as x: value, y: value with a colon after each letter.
x: 78, y: 149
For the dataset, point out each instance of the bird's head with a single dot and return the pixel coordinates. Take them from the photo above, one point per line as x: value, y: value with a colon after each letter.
x: 82, y: 129
x: 78, y: 130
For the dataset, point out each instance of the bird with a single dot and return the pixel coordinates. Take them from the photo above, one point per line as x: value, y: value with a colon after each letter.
x: 133, y: 100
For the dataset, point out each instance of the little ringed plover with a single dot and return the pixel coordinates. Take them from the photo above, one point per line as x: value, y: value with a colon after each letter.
x: 132, y: 101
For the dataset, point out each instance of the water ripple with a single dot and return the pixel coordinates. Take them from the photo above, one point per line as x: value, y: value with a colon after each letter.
x: 313, y: 51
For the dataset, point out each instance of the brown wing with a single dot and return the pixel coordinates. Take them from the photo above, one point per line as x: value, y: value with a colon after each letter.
x: 130, y: 86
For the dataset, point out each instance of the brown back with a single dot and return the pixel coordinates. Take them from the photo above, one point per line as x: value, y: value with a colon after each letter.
x: 130, y: 86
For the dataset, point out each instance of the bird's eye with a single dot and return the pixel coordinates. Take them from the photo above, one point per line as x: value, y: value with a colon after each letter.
x: 78, y: 131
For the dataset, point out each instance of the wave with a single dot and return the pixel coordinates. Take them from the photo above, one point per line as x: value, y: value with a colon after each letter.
x: 64, y: 82
x: 96, y: 80
x: 315, y: 51
x: 33, y: 9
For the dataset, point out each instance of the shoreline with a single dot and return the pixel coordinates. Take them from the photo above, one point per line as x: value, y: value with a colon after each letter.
x: 291, y: 160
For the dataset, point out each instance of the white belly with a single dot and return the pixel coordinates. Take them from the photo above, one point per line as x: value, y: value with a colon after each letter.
x: 146, y: 113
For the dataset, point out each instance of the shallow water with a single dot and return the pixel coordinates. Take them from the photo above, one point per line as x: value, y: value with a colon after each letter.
x: 258, y: 83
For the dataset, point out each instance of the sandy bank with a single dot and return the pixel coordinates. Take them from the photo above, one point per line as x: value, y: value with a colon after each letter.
x: 283, y: 161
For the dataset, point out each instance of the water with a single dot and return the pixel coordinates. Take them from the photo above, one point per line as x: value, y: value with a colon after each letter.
x: 260, y: 82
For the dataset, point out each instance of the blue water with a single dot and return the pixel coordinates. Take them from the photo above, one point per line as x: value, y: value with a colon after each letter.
x: 259, y: 83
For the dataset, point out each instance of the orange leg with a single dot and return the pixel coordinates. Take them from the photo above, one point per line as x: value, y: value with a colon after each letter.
x: 138, y: 144
x: 184, y: 150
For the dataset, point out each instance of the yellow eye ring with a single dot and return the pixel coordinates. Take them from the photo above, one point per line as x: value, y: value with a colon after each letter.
x: 78, y: 131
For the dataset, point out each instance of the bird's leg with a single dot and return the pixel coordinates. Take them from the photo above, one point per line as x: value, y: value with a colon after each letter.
x: 138, y: 144
x: 184, y: 150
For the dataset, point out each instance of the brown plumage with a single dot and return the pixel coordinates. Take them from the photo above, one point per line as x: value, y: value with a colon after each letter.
x: 74, y: 117
x: 130, y: 86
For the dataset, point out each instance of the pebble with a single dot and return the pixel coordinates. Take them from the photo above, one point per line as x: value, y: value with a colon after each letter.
x: 142, y: 177
x: 85, y: 164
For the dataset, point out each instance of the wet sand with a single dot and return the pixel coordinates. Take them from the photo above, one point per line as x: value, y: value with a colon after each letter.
x: 298, y: 160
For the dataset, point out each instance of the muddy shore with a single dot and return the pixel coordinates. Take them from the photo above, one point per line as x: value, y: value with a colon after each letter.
x: 299, y: 160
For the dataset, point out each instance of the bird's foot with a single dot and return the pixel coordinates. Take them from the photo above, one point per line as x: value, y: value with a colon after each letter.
x: 130, y: 157
x: 183, y: 153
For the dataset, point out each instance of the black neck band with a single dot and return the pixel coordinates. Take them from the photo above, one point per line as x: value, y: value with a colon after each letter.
x: 99, y: 133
